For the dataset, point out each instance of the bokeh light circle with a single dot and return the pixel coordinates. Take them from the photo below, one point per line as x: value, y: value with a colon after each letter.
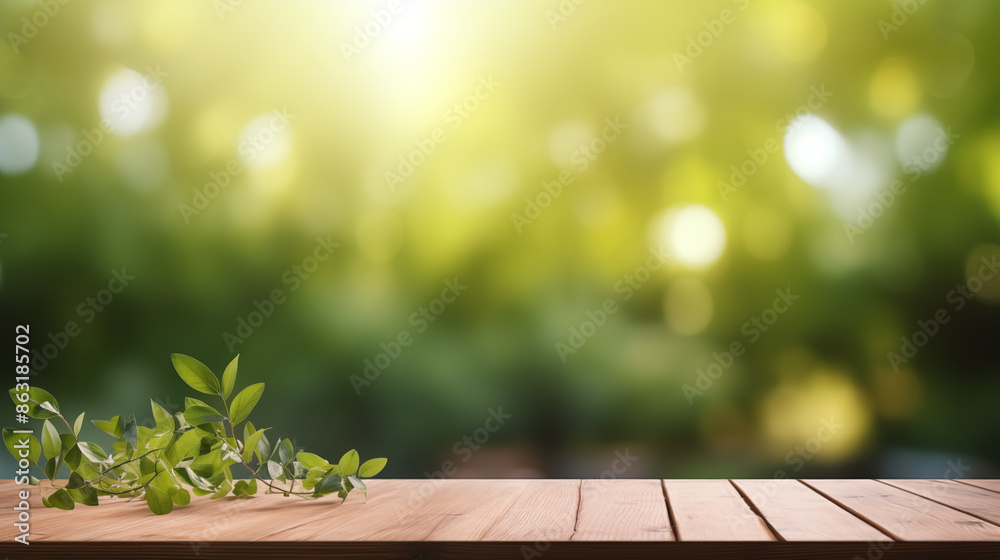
x: 693, y: 235
x: 18, y: 144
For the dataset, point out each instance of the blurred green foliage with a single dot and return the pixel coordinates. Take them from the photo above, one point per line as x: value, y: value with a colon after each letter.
x: 244, y: 171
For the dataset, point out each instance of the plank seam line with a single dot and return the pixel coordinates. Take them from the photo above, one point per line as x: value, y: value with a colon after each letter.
x: 990, y: 521
x: 973, y: 485
x: 670, y: 512
x: 753, y: 507
x: 844, y: 507
x: 579, y: 506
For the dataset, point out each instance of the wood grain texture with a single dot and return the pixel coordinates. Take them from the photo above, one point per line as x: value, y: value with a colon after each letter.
x: 903, y: 515
x: 981, y: 503
x: 512, y: 550
x: 489, y: 519
x: 993, y: 485
x: 799, y: 513
x: 545, y: 511
x: 712, y: 510
x: 622, y: 510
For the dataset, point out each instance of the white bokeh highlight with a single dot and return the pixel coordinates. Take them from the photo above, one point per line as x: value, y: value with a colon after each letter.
x: 18, y: 144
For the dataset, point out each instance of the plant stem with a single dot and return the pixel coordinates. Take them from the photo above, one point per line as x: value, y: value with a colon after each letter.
x: 63, y: 418
x: 132, y: 459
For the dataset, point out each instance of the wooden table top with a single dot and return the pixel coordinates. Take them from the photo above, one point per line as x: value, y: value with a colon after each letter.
x: 540, y: 519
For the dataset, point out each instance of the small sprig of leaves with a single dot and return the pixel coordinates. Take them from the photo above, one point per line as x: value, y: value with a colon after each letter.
x: 196, y: 448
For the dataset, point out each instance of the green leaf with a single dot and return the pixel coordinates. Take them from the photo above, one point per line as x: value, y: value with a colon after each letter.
x: 161, y: 416
x: 229, y: 377
x: 36, y: 397
x: 78, y: 425
x: 264, y: 447
x: 113, y: 427
x: 85, y: 495
x: 131, y: 433
x: 252, y: 487
x: 195, y: 374
x: 244, y: 402
x: 60, y: 499
x: 92, y: 451
x: 12, y: 441
x: 349, y: 463
x: 311, y: 460
x: 372, y: 467
x: 51, y: 444
x: 285, y: 451
x: 181, y: 496
x: 250, y: 443
x: 240, y: 487
x: 75, y: 481
x: 198, y: 415
x: 68, y: 440
x: 328, y: 485
x: 207, y: 465
x: 358, y: 483
x: 73, y: 457
x: 158, y: 500
x: 248, y: 430
x: 52, y: 467
x: 224, y: 489
x: 191, y: 401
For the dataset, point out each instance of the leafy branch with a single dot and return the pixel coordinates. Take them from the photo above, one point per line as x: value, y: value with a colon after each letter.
x: 194, y: 449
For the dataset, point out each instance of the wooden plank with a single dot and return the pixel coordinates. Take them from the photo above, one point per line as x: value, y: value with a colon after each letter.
x: 503, y: 550
x: 489, y: 519
x: 799, y: 513
x: 903, y: 515
x: 712, y: 510
x: 622, y: 510
x: 428, y: 510
x: 987, y: 484
x: 544, y: 512
x: 463, y: 516
x: 981, y: 503
x: 264, y: 516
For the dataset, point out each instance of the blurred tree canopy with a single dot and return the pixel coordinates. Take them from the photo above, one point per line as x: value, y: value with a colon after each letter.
x: 707, y: 234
